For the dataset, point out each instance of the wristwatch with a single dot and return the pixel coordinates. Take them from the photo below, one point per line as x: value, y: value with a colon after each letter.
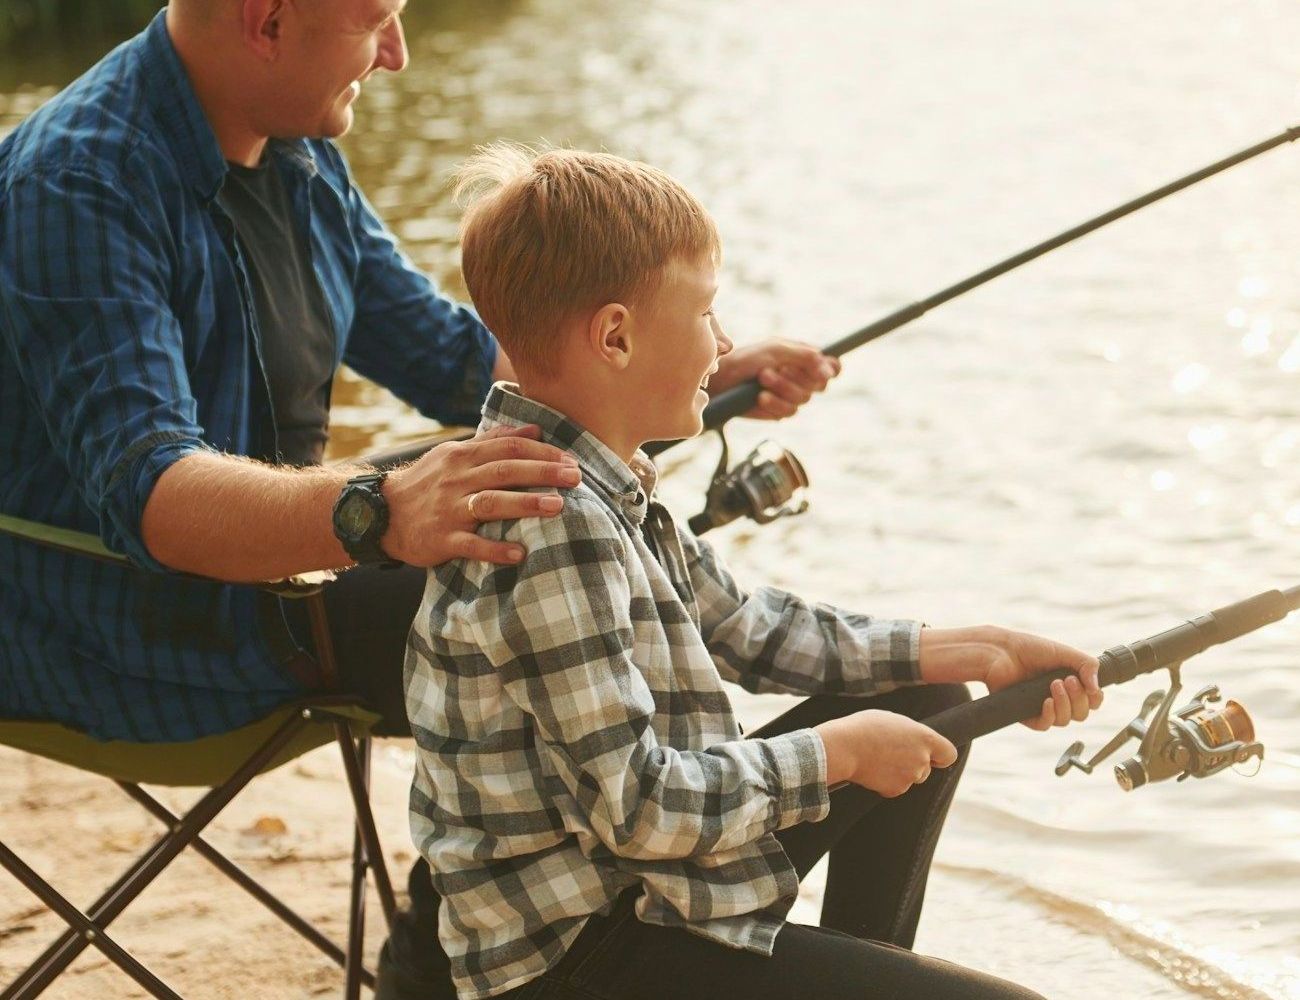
x: 361, y: 518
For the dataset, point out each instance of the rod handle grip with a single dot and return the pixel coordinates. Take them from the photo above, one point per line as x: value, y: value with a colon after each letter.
x: 1238, y: 619
x: 963, y: 723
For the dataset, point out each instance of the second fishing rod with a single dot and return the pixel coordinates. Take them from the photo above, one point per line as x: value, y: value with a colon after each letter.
x: 770, y: 483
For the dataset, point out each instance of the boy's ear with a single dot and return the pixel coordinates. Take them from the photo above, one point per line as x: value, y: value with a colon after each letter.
x: 610, y: 335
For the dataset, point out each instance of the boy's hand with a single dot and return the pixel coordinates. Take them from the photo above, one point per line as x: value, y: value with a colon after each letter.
x: 998, y: 657
x: 882, y: 751
x: 789, y: 373
x: 437, y: 503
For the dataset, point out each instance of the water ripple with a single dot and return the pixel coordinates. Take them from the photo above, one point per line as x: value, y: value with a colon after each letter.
x: 1227, y: 977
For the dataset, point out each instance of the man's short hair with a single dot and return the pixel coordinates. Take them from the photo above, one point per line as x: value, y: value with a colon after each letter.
x: 550, y: 234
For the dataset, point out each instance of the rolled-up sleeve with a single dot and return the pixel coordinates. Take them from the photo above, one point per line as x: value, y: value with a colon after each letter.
x: 430, y: 351
x: 85, y: 271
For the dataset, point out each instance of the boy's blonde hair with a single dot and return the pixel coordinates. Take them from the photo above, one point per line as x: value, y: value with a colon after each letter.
x: 549, y: 234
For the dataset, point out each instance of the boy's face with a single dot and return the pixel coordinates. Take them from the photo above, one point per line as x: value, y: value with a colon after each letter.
x: 676, y: 349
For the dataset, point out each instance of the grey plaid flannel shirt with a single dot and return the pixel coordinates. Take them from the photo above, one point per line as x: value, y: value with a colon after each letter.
x: 574, y: 737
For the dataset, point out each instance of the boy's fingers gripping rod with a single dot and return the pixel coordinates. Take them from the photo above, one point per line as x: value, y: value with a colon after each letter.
x: 742, y: 398
x: 1119, y: 664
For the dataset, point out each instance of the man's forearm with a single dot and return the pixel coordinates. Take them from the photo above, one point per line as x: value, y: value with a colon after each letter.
x: 235, y: 519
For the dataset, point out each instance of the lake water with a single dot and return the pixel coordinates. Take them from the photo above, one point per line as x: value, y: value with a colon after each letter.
x: 1093, y: 447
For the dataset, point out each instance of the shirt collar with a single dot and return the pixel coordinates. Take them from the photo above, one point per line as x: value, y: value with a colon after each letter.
x: 186, y: 128
x: 628, y: 485
x: 296, y: 152
x: 184, y: 125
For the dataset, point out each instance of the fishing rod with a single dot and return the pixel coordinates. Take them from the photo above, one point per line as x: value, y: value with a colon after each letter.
x: 770, y: 485
x: 1195, y: 741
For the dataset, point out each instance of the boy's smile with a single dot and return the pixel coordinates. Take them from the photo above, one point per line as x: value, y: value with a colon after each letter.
x: 676, y: 346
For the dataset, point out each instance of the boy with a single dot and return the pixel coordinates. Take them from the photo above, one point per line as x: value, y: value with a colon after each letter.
x: 594, y: 820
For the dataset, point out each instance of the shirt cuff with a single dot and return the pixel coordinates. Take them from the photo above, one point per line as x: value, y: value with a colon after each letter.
x: 895, y: 650
x: 798, y: 779
x: 129, y: 488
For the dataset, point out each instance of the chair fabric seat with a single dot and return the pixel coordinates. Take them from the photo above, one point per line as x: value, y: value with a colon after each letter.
x: 208, y: 761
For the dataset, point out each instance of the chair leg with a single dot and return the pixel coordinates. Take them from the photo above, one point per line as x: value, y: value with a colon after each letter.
x: 356, y: 764
x: 135, y: 879
x: 243, y: 879
x: 360, y: 865
x: 84, y: 926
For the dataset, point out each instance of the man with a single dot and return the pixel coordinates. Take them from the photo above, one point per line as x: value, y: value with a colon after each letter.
x: 184, y: 262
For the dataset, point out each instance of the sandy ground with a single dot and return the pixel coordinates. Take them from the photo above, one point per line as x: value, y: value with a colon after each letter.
x: 203, y: 935
x: 291, y: 829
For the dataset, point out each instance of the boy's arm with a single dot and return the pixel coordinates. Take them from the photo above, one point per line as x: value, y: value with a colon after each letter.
x: 773, y: 641
x: 559, y: 630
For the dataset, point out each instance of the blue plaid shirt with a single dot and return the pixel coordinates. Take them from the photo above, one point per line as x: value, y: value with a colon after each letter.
x: 128, y: 340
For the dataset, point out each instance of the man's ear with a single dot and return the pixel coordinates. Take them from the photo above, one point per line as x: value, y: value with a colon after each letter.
x: 263, y: 21
x: 609, y: 335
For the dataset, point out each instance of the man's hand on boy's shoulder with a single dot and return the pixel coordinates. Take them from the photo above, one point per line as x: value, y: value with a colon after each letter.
x: 788, y: 371
x: 437, y: 503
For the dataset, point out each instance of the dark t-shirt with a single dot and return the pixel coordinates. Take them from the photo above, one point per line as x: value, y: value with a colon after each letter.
x: 297, y: 336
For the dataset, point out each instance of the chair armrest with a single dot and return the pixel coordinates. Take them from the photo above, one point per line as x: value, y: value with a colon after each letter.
x: 300, y: 584
x: 66, y: 539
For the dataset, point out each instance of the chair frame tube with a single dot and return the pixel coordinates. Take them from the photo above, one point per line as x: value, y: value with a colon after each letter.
x: 84, y: 926
x: 367, y: 855
x: 241, y: 878
x: 135, y: 879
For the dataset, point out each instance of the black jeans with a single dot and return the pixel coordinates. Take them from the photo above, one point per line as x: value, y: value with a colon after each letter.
x: 880, y: 854
x: 619, y: 958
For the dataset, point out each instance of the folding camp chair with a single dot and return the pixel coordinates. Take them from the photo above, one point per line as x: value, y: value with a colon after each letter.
x: 283, y: 735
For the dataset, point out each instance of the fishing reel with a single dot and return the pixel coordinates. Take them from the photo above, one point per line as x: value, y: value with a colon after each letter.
x: 768, y: 484
x: 1195, y: 741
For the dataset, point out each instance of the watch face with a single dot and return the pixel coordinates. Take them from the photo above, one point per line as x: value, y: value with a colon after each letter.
x: 356, y: 516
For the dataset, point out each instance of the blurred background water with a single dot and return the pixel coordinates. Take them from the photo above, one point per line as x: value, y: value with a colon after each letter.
x: 1094, y: 447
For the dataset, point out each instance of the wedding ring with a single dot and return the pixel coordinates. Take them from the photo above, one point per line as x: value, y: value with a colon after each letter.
x: 469, y: 503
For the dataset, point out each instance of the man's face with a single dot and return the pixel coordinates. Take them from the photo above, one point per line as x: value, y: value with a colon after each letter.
x: 676, y: 349
x: 328, y: 49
